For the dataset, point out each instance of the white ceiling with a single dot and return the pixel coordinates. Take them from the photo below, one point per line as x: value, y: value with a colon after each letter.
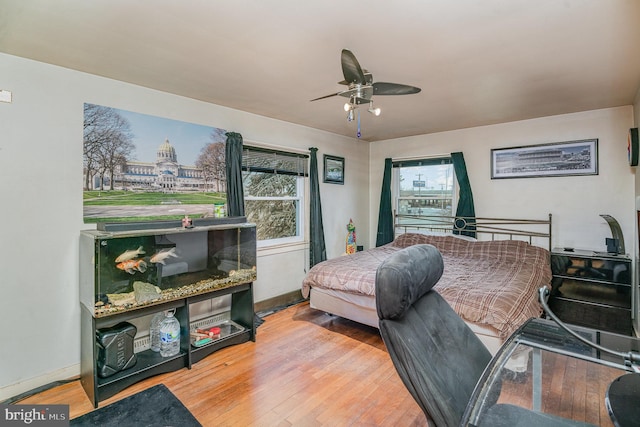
x: 478, y: 62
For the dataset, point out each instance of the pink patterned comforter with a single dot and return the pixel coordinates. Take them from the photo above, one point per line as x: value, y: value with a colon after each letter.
x: 493, y: 283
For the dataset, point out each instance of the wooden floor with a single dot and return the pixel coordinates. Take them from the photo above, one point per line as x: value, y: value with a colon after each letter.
x: 571, y: 388
x: 306, y: 368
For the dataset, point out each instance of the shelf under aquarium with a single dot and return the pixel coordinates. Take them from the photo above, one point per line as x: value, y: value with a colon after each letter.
x: 228, y: 329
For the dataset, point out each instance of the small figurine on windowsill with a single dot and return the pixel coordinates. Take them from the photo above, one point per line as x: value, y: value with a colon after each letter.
x: 187, y: 222
x: 351, y: 238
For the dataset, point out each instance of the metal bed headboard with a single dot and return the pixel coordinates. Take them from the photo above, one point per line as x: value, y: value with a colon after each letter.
x: 486, y: 228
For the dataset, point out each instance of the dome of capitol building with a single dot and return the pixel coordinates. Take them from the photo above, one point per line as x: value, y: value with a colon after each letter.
x: 166, y: 152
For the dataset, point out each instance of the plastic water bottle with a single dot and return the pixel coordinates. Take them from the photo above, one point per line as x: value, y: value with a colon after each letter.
x: 154, y: 330
x: 169, y: 336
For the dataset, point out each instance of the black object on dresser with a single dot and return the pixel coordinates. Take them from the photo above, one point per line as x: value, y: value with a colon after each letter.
x: 592, y: 288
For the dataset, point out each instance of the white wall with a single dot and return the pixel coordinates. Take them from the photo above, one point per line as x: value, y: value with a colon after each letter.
x: 41, y: 206
x: 636, y: 123
x: 575, y: 201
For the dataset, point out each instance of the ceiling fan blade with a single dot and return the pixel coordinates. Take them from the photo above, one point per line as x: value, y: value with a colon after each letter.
x: 327, y: 96
x: 382, y: 88
x: 351, y: 68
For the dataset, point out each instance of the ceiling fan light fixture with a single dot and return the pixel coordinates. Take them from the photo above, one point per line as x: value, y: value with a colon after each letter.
x: 348, y: 106
x: 374, y: 111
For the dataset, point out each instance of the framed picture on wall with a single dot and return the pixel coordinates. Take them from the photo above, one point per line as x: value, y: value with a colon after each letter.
x: 555, y: 159
x: 131, y: 159
x: 333, y: 169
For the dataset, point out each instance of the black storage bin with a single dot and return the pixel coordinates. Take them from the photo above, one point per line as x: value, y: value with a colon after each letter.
x: 115, y: 349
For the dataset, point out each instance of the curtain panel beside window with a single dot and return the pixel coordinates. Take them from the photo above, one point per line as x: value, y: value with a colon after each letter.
x: 465, y: 201
x: 317, y: 247
x: 235, y: 192
x: 385, y: 213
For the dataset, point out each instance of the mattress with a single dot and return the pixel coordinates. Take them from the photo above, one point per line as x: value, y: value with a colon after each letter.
x: 492, y: 285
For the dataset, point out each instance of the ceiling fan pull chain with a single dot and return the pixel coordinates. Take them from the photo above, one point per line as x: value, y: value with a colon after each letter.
x: 359, y: 134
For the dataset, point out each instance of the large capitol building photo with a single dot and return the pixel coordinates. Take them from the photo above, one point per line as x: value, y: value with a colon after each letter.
x: 165, y: 174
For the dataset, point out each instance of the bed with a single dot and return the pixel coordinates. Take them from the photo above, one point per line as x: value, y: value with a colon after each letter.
x: 491, y: 281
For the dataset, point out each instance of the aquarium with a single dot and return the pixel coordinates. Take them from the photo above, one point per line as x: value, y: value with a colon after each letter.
x: 128, y: 269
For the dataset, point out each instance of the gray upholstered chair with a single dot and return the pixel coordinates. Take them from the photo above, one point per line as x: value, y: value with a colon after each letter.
x: 437, y: 356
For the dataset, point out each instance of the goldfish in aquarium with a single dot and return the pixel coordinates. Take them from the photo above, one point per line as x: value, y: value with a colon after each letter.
x: 161, y: 256
x: 133, y: 265
x: 130, y: 254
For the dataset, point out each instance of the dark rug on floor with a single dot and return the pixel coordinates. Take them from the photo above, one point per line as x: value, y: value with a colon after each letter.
x: 155, y: 406
x: 257, y: 320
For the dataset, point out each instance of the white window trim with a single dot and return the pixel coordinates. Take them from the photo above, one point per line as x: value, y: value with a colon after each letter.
x: 300, y: 218
x: 395, y: 180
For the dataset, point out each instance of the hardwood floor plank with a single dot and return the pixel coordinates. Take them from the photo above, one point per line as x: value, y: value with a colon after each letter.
x: 579, y: 403
x: 565, y: 408
x: 552, y: 393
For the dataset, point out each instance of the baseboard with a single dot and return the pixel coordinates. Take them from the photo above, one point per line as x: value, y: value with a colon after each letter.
x: 276, y: 302
x: 39, y: 383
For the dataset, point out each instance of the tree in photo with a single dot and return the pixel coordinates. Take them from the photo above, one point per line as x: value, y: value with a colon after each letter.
x: 107, y: 145
x: 212, y: 163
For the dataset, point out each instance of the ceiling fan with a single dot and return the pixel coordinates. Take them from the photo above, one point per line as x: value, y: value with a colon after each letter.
x: 361, y: 87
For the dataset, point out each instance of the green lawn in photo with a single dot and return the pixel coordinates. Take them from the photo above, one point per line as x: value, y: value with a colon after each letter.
x: 135, y: 198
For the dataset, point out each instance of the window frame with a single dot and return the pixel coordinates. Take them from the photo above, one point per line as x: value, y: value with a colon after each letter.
x: 300, y: 215
x: 422, y: 161
x: 300, y: 199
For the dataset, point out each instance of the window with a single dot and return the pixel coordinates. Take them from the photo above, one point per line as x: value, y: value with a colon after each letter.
x: 424, y: 187
x: 273, y: 183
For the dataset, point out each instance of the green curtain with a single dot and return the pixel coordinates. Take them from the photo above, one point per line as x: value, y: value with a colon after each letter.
x: 465, y: 199
x: 385, y: 214
x: 317, y: 248
x: 235, y: 192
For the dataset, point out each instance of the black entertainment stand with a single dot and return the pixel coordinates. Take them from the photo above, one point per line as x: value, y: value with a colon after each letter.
x: 212, y: 261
